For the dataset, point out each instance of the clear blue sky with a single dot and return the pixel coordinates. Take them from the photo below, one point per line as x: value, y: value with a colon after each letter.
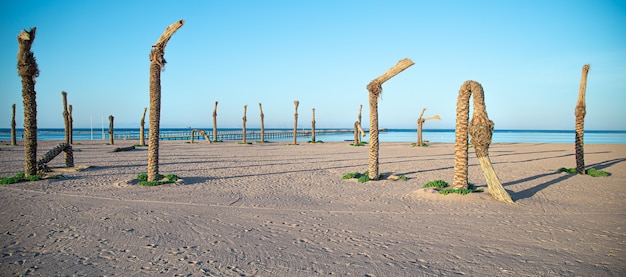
x: 527, y: 55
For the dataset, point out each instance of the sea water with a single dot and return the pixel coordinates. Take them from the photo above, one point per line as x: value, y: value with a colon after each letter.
x: 389, y: 135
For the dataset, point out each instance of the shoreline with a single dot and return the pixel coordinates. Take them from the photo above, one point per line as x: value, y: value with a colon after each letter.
x: 276, y: 210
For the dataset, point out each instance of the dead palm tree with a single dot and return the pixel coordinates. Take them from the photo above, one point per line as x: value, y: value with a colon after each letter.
x: 580, y: 113
x: 142, y: 137
x: 28, y: 71
x: 420, y: 123
x: 157, y: 63
x: 243, y: 130
x: 481, y: 130
x: 66, y: 117
x: 295, y: 122
x: 313, y: 127
x: 375, y: 90
x: 13, y: 133
x: 215, y: 122
x: 262, y: 124
x: 111, y: 134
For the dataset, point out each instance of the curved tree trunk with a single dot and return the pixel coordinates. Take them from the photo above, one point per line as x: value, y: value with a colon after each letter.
x: 295, y: 122
x: 262, y: 124
x: 580, y: 113
x: 142, y: 137
x: 71, y: 125
x: 375, y: 90
x: 66, y: 117
x: 481, y: 131
x: 243, y: 130
x: 13, y: 133
x: 28, y: 71
x: 313, y: 127
x: 157, y: 62
x: 215, y: 122
x: 111, y: 134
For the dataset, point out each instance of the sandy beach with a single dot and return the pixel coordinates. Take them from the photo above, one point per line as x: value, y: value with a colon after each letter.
x: 277, y: 210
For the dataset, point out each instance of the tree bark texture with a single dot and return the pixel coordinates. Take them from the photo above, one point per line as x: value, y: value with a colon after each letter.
x: 580, y: 113
x: 157, y: 63
x: 481, y: 130
x: 13, y: 133
x: 295, y: 122
x: 27, y: 69
x: 142, y: 124
x: 111, y: 134
x: 375, y: 90
x: 262, y: 123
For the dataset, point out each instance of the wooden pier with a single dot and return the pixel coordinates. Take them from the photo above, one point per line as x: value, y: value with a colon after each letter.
x: 253, y: 135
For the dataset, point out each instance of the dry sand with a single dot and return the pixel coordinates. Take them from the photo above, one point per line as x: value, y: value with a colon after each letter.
x: 276, y: 210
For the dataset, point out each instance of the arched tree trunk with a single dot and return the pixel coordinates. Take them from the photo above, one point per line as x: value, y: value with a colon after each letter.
x: 111, y: 134
x: 28, y: 71
x: 580, y: 113
x: 215, y: 122
x: 313, y: 127
x: 243, y: 125
x: 13, y: 133
x: 66, y: 117
x: 262, y: 123
x: 157, y: 63
x: 71, y: 125
x: 295, y: 122
x: 481, y: 130
x: 375, y: 89
x: 142, y: 136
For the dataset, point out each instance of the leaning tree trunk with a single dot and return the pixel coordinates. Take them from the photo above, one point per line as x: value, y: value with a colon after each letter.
x: 313, y: 127
x: 157, y: 63
x: 215, y: 122
x: 295, y: 122
x: 481, y: 130
x: 66, y: 117
x: 111, y: 134
x: 71, y: 125
x: 580, y: 112
x: 13, y: 133
x: 375, y: 89
x: 28, y: 71
x: 262, y: 124
x: 142, y: 137
x: 243, y: 130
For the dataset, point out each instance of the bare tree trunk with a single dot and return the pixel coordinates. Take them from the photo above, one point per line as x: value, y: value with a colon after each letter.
x: 142, y: 137
x: 295, y: 122
x: 580, y: 113
x: 28, y: 71
x: 375, y: 89
x: 215, y: 122
x: 157, y: 63
x: 111, y: 134
x: 243, y: 131
x: 262, y: 124
x: 481, y: 131
x: 66, y: 117
x: 13, y: 133
x: 71, y: 126
x: 313, y: 127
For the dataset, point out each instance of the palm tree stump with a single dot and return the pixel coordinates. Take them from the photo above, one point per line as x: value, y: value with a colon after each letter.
x: 580, y: 113
x: 27, y: 69
x: 157, y: 64
x: 481, y: 130
x: 375, y: 90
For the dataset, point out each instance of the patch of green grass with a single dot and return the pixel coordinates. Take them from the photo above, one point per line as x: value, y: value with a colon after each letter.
x: 591, y: 172
x: 167, y: 179
x: 19, y: 177
x: 436, y: 184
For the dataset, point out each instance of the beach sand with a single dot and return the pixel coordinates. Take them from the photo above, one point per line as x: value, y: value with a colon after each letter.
x: 277, y: 210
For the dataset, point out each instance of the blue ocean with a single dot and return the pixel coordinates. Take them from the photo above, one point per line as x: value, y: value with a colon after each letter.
x: 388, y: 135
